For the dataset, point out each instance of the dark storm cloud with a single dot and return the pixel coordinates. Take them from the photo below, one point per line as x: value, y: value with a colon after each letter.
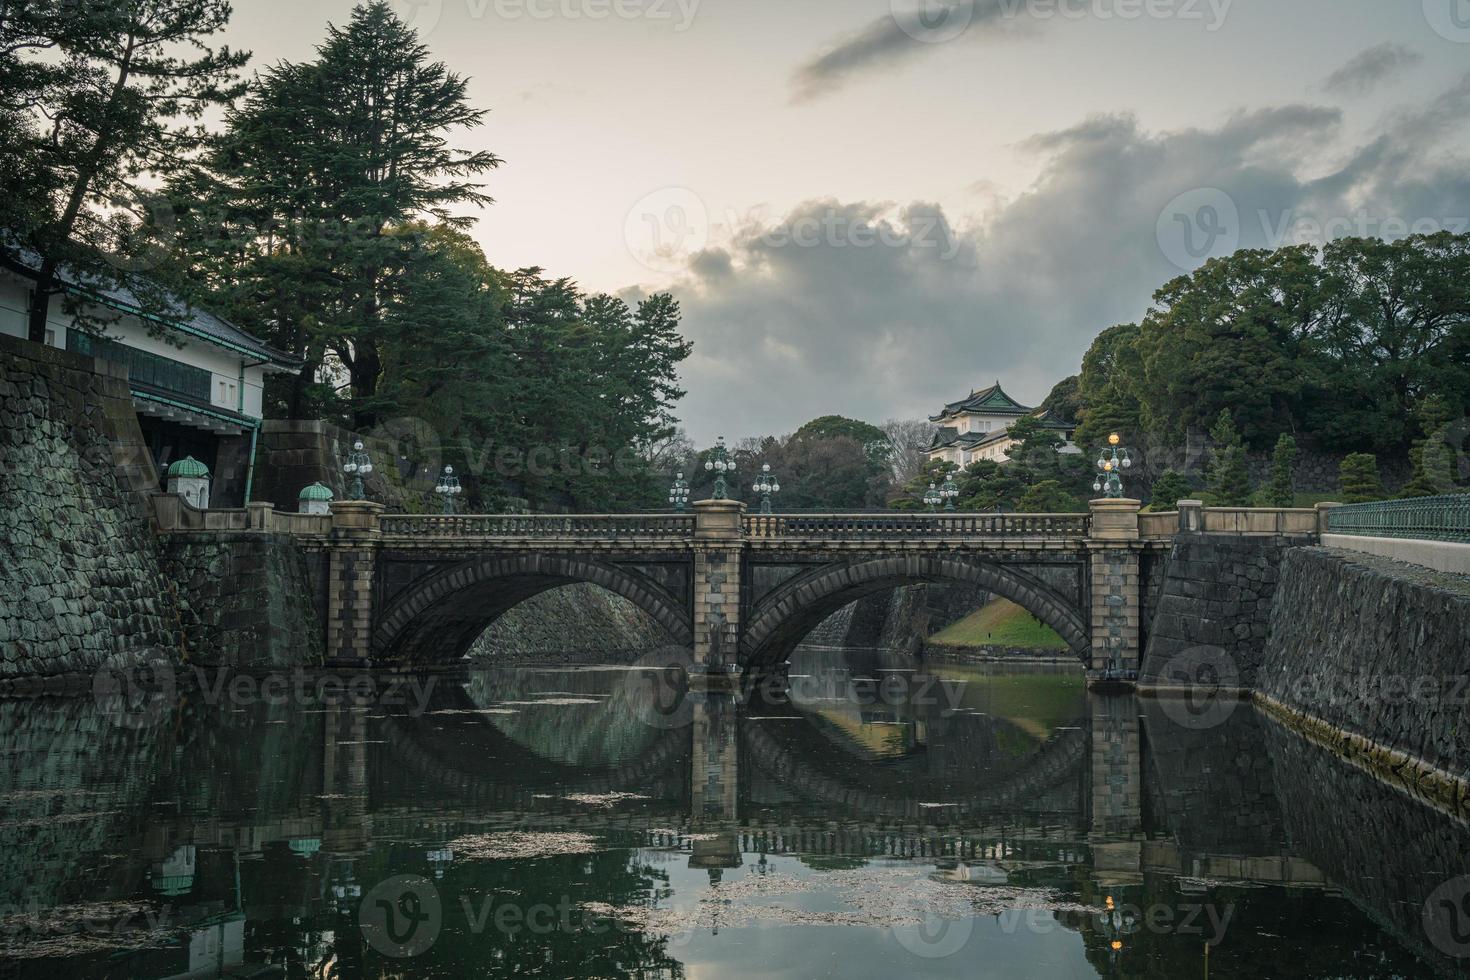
x: 1365, y: 71
x: 894, y: 38
x: 795, y: 327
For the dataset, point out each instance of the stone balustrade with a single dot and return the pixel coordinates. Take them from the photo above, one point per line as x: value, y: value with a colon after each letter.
x: 173, y: 514
x: 905, y: 525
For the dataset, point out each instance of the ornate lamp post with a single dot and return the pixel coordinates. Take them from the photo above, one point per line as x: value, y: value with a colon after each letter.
x: 720, y: 462
x: 932, y: 498
x: 1111, y: 463
x: 765, y: 485
x: 448, y: 489
x: 948, y: 492
x: 679, y: 493
x: 358, y: 466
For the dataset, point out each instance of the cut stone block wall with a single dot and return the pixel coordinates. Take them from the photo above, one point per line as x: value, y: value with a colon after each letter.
x: 1215, y: 594
x: 80, y: 579
x: 1376, y: 648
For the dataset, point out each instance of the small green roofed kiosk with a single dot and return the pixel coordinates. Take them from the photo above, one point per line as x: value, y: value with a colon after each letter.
x: 189, y: 478
x: 315, y: 499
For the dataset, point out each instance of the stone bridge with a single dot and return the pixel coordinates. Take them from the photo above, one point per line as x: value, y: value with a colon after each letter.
x: 742, y: 590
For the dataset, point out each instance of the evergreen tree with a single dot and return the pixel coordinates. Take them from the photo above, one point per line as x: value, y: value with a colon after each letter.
x: 1230, y: 482
x: 1168, y: 490
x: 1048, y: 497
x: 1234, y: 334
x: 1282, y: 491
x: 1106, y: 400
x: 1358, y: 476
x: 318, y: 169
x: 1431, y: 455
x: 102, y: 100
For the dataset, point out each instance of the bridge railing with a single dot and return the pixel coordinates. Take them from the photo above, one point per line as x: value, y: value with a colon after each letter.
x: 1443, y: 518
x: 521, y: 526
x: 898, y: 525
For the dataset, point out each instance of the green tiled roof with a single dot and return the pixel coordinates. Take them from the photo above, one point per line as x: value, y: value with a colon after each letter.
x: 317, y: 491
x: 188, y: 466
x: 990, y: 401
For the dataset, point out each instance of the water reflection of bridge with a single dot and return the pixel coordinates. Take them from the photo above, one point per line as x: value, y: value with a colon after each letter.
x: 764, y: 785
x: 320, y: 801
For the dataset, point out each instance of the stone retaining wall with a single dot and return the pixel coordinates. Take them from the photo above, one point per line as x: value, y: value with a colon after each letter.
x: 1213, y: 608
x: 580, y: 623
x: 294, y: 453
x: 255, y: 600
x: 1375, y: 648
x: 80, y: 580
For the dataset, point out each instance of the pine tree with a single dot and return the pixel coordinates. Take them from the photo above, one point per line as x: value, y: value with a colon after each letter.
x: 1282, y: 491
x: 102, y: 100
x: 1358, y: 475
x: 1431, y: 455
x: 1047, y: 497
x: 1168, y: 490
x: 320, y: 168
x: 1230, y: 481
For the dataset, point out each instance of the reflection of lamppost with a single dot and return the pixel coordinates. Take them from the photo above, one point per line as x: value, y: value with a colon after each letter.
x: 439, y: 860
x: 1116, y: 924
x: 448, y: 489
x: 949, y: 491
x: 720, y: 462
x: 1111, y: 463
x: 358, y: 465
x: 679, y: 493
x: 932, y: 498
x: 765, y: 485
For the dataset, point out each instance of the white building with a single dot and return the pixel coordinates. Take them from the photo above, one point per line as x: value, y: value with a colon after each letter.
x: 197, y: 380
x: 978, y: 427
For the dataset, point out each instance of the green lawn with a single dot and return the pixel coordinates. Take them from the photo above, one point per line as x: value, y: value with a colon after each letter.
x: 1000, y: 623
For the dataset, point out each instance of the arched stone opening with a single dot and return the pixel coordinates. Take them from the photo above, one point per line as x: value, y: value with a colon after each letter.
x: 438, y: 619
x: 780, y: 621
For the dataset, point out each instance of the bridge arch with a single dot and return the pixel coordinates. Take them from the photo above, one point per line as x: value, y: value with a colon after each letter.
x: 436, y: 619
x: 779, y: 621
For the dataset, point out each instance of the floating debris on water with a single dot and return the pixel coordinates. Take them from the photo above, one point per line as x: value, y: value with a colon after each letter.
x: 78, y: 930
x: 518, y: 844
x: 54, y: 818
x: 604, y: 800
x: 552, y: 701
x: 877, y: 899
x: 475, y: 711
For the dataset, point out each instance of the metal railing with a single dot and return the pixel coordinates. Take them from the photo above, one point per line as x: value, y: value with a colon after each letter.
x: 891, y: 525
x: 1445, y: 518
x: 605, y: 526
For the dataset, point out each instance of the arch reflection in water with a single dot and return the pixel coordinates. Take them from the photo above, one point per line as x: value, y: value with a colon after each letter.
x: 961, y: 821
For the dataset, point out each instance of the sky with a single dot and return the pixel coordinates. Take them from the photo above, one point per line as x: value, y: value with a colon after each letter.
x: 871, y: 207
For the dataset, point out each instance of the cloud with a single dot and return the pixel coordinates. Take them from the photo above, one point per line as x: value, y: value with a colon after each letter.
x: 1367, y: 69
x: 876, y: 310
x: 906, y: 33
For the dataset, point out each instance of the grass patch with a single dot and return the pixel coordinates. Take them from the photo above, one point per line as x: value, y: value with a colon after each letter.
x: 1000, y: 623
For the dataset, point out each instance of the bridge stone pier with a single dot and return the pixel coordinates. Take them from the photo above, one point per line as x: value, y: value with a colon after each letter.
x: 738, y: 590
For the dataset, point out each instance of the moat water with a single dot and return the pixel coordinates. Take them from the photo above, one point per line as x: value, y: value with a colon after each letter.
x: 866, y: 820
